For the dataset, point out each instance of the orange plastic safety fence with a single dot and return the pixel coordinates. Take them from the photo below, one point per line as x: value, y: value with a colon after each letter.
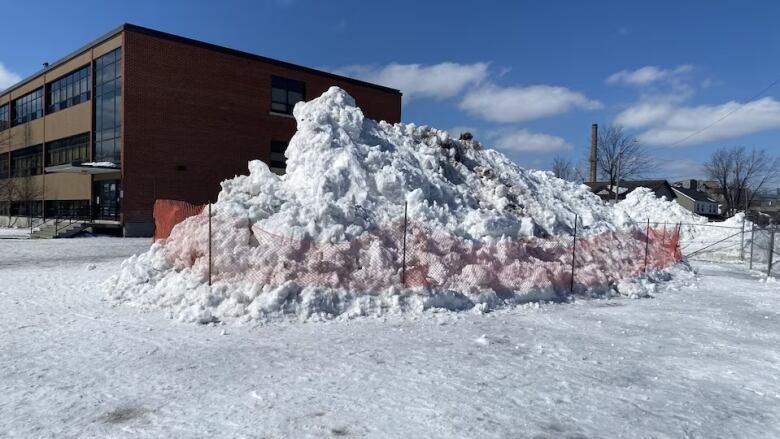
x: 432, y: 259
x: 168, y: 213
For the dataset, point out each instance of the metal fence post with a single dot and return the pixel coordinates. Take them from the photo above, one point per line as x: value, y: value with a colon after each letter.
x: 742, y: 240
x: 752, y: 239
x: 771, y: 250
x: 403, y: 260
x: 663, y: 240
x: 209, y: 243
x: 647, y: 242
x: 573, y: 253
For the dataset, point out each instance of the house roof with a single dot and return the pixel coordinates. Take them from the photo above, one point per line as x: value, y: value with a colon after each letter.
x: 693, y: 194
x: 171, y: 37
x: 629, y: 185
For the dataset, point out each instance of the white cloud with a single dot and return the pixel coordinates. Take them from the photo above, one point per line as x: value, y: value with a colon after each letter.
x: 7, y: 77
x: 644, y: 114
x: 527, y: 141
x: 678, y: 168
x: 443, y: 80
x: 669, y: 125
x: 647, y: 75
x: 519, y: 104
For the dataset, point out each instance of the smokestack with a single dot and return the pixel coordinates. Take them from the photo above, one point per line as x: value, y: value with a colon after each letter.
x: 594, y: 145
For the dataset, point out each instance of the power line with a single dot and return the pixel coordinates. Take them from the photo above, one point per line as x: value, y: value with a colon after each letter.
x: 739, y: 107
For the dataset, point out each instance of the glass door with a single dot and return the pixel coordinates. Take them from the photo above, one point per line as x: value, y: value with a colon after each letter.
x: 106, y: 200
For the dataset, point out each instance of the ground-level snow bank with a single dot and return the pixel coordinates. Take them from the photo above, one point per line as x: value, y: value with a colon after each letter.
x: 700, y: 360
x: 270, y: 276
x: 326, y: 238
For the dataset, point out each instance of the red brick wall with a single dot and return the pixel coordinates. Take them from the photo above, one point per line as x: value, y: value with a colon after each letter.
x: 208, y: 111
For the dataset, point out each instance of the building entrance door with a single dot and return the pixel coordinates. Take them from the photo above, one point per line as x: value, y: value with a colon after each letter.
x: 106, y: 200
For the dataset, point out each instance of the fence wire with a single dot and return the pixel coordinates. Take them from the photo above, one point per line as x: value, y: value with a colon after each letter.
x: 409, y: 254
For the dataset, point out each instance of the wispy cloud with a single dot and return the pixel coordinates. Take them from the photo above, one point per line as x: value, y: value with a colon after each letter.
x: 647, y: 75
x: 7, y: 77
x: 520, y: 104
x: 670, y: 125
x: 443, y: 80
x: 523, y: 140
x: 678, y: 168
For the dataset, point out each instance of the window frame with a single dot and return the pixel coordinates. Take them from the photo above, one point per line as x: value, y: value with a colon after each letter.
x: 76, y: 147
x: 32, y: 104
x: 287, y: 86
x: 5, y: 116
x: 32, y: 155
x: 69, y: 90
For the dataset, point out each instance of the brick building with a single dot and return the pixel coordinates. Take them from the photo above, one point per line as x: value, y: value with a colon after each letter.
x: 139, y: 115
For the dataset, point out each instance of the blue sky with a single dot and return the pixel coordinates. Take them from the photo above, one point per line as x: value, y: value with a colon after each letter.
x: 528, y: 77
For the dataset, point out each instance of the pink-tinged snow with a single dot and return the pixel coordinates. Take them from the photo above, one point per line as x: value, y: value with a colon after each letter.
x: 699, y: 359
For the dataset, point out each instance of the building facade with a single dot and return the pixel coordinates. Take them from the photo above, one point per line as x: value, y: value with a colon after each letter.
x: 140, y: 115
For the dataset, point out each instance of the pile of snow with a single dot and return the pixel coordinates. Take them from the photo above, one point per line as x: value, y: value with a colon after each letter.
x: 322, y: 240
x: 642, y: 205
x: 726, y: 241
x: 712, y: 241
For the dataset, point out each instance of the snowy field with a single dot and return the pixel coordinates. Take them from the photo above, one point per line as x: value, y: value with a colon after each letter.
x: 701, y: 359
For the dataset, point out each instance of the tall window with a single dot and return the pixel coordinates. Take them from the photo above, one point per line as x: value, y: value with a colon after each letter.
x: 27, y: 161
x: 285, y: 93
x: 68, y: 91
x: 69, y: 150
x: 4, y: 171
x: 108, y: 100
x: 28, y: 107
x: 278, y: 160
x: 4, y: 121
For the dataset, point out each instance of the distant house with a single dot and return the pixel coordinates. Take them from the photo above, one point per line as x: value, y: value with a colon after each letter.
x: 606, y: 191
x: 696, y: 201
x: 765, y: 208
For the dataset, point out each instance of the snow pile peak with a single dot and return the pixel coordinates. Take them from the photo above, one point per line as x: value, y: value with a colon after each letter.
x: 347, y: 174
x: 322, y: 239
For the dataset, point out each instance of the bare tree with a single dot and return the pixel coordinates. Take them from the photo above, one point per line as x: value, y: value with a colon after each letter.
x: 620, y: 156
x: 7, y: 196
x: 563, y: 168
x: 27, y: 192
x: 741, y: 174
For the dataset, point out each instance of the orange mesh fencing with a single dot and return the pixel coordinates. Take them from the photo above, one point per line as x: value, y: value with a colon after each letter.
x: 168, y: 213
x: 238, y: 251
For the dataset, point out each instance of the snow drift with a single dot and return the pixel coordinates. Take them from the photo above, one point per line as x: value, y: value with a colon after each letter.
x: 326, y: 239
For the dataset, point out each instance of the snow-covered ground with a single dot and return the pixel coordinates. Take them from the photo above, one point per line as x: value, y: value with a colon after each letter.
x: 700, y: 359
x: 14, y: 232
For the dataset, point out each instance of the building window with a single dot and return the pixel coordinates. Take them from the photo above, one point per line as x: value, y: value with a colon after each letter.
x: 23, y: 208
x: 67, y: 208
x: 69, y: 150
x: 68, y: 91
x: 108, y: 107
x: 28, y: 107
x: 285, y: 93
x: 278, y: 160
x: 4, y: 120
x: 4, y: 171
x: 26, y: 161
